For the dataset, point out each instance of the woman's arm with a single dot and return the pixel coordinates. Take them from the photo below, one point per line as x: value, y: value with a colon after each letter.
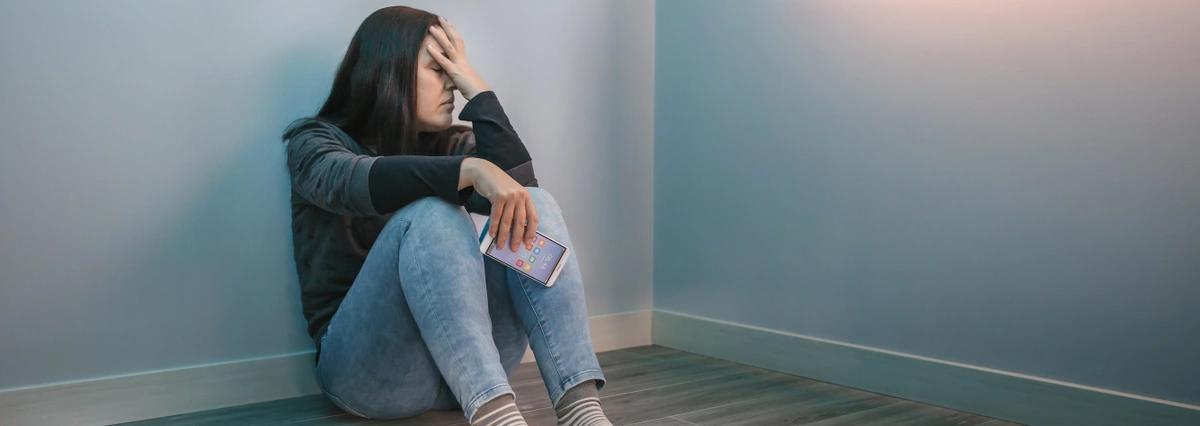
x: 498, y: 141
x: 493, y: 138
x: 396, y: 180
x: 327, y: 174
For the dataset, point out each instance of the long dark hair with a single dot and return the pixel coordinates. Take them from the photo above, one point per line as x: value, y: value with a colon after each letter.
x: 373, y: 98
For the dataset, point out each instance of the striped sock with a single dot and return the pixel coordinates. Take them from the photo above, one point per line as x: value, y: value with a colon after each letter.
x: 499, y: 411
x: 580, y: 406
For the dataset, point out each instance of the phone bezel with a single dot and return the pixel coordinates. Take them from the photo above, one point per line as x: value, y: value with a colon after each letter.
x: 486, y: 241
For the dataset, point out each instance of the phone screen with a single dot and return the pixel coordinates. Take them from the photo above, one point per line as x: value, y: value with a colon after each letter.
x: 537, y: 262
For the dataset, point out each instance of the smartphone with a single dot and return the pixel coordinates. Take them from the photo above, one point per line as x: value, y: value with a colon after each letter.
x: 542, y: 262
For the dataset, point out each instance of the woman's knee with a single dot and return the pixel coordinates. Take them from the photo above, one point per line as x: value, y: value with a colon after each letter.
x: 429, y: 205
x: 542, y: 199
x: 431, y: 209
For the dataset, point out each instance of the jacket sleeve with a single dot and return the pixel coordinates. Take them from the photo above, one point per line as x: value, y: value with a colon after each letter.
x: 327, y: 174
x: 494, y: 139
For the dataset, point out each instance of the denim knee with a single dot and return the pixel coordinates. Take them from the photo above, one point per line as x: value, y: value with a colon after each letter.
x: 542, y: 198
x: 431, y: 208
x: 428, y: 205
x: 421, y: 210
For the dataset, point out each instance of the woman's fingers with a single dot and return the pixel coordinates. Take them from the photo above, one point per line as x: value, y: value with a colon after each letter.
x: 497, y: 210
x: 448, y: 47
x: 444, y: 24
x: 518, y: 235
x: 505, y: 223
x: 452, y: 33
x: 438, y: 56
x: 531, y: 214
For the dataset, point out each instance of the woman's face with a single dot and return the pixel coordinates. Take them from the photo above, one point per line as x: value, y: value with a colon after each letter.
x: 435, y: 93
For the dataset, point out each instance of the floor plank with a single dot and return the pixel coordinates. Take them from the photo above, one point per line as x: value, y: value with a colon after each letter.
x: 647, y: 386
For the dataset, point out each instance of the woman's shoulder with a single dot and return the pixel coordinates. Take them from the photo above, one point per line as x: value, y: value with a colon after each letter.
x: 316, y: 132
x: 311, y: 126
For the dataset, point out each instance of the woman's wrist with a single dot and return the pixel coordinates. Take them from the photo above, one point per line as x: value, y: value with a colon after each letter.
x: 468, y: 171
x: 474, y: 86
x: 472, y: 169
x: 475, y: 91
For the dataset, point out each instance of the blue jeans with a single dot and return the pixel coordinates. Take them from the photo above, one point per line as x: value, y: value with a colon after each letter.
x: 431, y: 323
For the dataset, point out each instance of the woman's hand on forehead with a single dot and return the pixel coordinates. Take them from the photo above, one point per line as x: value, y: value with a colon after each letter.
x: 451, y: 54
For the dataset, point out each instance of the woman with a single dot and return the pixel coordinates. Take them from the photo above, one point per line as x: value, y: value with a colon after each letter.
x: 406, y: 313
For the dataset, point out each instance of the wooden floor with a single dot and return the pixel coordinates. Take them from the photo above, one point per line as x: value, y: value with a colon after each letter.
x: 648, y: 386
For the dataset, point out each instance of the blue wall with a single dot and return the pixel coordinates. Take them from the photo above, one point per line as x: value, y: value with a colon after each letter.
x: 1008, y: 184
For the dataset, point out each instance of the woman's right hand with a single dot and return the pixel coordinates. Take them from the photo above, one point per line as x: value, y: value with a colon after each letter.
x: 451, y: 54
x: 512, y: 206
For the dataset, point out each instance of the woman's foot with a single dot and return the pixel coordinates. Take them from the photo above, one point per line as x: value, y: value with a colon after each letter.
x: 501, y: 410
x: 580, y: 406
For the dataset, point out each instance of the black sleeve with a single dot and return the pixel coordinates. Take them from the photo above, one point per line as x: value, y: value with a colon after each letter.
x: 396, y: 180
x: 498, y: 142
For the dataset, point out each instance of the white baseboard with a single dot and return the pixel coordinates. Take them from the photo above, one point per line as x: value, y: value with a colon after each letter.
x: 990, y: 392
x: 152, y: 394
